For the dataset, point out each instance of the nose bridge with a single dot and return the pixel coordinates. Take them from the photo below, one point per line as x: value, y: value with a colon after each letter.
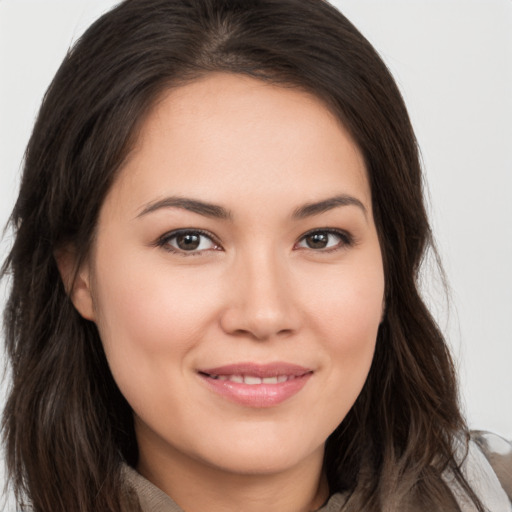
x: 266, y: 280
x: 262, y: 303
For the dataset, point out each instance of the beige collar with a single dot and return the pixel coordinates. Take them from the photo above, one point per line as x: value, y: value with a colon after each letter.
x: 152, y: 499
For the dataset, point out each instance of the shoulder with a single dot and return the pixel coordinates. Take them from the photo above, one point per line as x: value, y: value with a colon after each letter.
x: 498, y: 452
x: 486, y: 463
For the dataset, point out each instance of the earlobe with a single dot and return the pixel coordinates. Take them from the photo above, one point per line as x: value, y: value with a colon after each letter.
x: 76, y: 283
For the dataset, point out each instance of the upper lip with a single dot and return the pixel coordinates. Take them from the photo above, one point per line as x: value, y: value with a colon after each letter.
x: 258, y: 370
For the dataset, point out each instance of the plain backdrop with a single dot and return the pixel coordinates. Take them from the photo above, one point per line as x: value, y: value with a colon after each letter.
x: 453, y: 62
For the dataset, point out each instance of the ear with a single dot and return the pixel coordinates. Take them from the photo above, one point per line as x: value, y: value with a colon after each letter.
x: 77, y: 283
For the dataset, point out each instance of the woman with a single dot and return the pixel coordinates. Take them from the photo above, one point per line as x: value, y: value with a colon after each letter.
x: 214, y: 300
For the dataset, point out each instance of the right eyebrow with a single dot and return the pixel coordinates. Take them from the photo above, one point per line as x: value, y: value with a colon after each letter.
x: 185, y: 203
x: 311, y: 209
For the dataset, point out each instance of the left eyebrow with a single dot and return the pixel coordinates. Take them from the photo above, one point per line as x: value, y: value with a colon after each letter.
x: 192, y: 205
x: 310, y: 209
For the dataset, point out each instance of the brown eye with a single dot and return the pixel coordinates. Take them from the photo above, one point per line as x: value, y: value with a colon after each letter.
x: 324, y: 240
x: 188, y: 241
x: 317, y: 240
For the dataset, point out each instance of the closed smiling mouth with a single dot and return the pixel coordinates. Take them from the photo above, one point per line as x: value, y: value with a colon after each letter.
x: 256, y: 385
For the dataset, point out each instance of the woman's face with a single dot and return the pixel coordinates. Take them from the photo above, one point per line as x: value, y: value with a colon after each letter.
x: 236, y: 278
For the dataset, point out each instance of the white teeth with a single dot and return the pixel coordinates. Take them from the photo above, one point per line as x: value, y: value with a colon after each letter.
x: 253, y: 380
x: 248, y: 379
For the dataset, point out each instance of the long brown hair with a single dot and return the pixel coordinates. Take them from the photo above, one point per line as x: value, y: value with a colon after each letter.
x: 66, y: 426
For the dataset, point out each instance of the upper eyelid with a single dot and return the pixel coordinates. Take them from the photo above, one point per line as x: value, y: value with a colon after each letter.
x: 335, y: 231
x: 180, y: 231
x: 323, y: 230
x: 161, y: 240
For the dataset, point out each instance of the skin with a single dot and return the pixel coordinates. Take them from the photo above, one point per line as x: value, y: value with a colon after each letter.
x: 256, y: 291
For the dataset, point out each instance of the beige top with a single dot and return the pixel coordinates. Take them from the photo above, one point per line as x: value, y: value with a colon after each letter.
x: 152, y: 499
x: 487, y: 468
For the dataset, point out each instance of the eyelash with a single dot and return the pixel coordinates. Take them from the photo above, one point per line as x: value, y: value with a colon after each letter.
x: 346, y: 240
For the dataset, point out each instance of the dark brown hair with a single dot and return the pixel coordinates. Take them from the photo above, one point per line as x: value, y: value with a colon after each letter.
x: 66, y: 426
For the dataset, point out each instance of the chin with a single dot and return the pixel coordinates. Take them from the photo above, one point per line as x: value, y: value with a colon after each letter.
x: 261, y: 463
x: 262, y: 454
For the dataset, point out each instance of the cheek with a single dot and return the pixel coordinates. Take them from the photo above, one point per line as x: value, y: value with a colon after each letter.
x: 346, y: 314
x: 347, y: 305
x: 149, y: 321
x: 147, y: 309
x: 146, y: 333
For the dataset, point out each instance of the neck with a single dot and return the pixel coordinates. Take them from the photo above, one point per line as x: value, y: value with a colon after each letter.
x: 197, y: 487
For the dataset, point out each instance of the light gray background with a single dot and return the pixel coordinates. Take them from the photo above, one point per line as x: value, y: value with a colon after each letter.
x: 453, y: 62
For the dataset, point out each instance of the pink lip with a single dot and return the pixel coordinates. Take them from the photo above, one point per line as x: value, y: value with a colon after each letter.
x: 257, y: 395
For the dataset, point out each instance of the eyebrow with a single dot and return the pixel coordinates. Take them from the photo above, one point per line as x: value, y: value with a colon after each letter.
x: 311, y: 209
x: 218, y: 212
x: 192, y: 205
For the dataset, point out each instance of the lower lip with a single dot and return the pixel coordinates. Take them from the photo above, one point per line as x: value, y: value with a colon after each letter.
x: 257, y: 395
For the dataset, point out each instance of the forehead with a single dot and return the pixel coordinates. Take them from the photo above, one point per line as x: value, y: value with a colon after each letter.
x: 229, y: 134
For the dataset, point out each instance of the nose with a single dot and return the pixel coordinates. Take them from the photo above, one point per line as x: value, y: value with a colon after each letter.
x: 261, y: 303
